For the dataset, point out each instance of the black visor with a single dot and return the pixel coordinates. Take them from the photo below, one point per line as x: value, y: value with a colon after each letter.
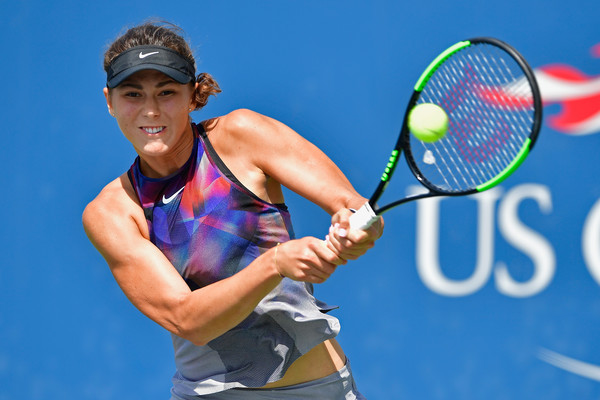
x: 158, y: 58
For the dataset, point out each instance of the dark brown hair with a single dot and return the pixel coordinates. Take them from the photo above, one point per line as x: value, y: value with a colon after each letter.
x: 161, y: 33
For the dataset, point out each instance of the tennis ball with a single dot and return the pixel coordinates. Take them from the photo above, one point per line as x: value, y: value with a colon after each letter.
x: 428, y: 122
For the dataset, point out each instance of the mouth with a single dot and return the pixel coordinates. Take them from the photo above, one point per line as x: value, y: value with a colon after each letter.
x: 153, y: 130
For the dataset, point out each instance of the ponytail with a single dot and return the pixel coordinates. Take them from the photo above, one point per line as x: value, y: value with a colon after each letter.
x: 207, y: 86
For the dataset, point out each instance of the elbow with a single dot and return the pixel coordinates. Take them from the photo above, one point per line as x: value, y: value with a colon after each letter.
x: 196, y: 339
x: 200, y: 334
x: 199, y: 342
x: 194, y: 335
x: 190, y: 329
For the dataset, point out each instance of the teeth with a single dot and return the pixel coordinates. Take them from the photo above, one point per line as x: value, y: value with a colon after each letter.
x: 154, y: 130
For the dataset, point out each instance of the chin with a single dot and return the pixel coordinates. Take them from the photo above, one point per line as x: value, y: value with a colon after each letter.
x: 154, y: 149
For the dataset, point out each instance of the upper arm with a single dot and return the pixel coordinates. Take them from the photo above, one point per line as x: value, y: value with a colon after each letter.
x: 112, y: 223
x: 288, y: 158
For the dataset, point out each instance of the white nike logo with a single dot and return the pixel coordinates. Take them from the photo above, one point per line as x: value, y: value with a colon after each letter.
x: 142, y: 55
x: 572, y: 365
x: 167, y: 200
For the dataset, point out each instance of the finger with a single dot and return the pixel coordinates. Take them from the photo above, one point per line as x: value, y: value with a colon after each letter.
x: 328, y: 254
x: 316, y: 272
x: 344, y: 252
x: 352, y: 246
x: 342, y: 247
x: 376, y: 229
x: 321, y: 275
x: 367, y: 235
x: 342, y: 218
x: 333, y: 244
x: 352, y: 237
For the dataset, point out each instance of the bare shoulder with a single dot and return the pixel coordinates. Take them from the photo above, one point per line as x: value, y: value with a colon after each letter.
x: 244, y: 118
x: 241, y: 124
x: 244, y: 137
x: 111, y: 199
x: 116, y: 204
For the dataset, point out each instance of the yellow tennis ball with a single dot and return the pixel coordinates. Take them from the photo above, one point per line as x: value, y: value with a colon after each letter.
x: 428, y: 122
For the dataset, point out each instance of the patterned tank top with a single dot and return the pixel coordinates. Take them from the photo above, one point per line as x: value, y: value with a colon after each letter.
x: 210, y: 227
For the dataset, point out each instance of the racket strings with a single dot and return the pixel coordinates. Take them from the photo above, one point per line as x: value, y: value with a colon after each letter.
x: 488, y: 136
x: 448, y: 156
x: 490, y: 107
x: 452, y: 95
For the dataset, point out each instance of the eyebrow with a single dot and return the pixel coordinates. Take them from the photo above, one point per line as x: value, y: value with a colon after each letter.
x: 140, y: 87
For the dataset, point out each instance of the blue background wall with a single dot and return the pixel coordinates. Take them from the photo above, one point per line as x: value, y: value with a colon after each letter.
x: 506, y: 307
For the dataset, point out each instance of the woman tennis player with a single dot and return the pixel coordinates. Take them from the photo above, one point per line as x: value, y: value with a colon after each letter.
x: 197, y: 235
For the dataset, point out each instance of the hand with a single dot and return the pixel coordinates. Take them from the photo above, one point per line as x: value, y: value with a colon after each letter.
x: 349, y: 244
x: 307, y: 259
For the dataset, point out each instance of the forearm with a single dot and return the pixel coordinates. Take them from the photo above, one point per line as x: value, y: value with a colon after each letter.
x: 215, y: 309
x: 210, y: 311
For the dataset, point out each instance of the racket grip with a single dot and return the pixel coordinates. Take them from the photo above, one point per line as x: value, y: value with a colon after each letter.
x: 363, y: 218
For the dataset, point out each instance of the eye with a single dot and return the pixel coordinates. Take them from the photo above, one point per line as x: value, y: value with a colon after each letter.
x: 167, y: 92
x: 132, y: 94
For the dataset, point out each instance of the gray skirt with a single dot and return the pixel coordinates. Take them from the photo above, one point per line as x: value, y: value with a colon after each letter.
x: 337, y: 386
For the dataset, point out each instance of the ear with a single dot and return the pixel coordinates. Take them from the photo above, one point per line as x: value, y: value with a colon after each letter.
x: 108, y: 101
x: 193, y: 104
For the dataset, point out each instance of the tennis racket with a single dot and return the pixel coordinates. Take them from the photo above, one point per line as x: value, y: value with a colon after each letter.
x: 494, y: 108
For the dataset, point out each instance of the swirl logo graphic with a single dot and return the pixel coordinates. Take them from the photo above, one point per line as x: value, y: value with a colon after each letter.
x: 577, y: 94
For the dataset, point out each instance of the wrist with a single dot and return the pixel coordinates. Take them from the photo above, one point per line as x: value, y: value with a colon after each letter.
x: 275, y: 265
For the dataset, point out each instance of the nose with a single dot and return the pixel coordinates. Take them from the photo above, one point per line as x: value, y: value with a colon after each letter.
x: 151, y: 109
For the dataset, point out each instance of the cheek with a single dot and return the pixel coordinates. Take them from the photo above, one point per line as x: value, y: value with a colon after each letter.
x: 126, y: 117
x: 177, y: 106
x: 177, y: 112
x: 127, y: 110
x: 124, y: 111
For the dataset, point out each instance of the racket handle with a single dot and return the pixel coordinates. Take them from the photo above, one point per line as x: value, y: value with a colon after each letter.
x: 363, y: 218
